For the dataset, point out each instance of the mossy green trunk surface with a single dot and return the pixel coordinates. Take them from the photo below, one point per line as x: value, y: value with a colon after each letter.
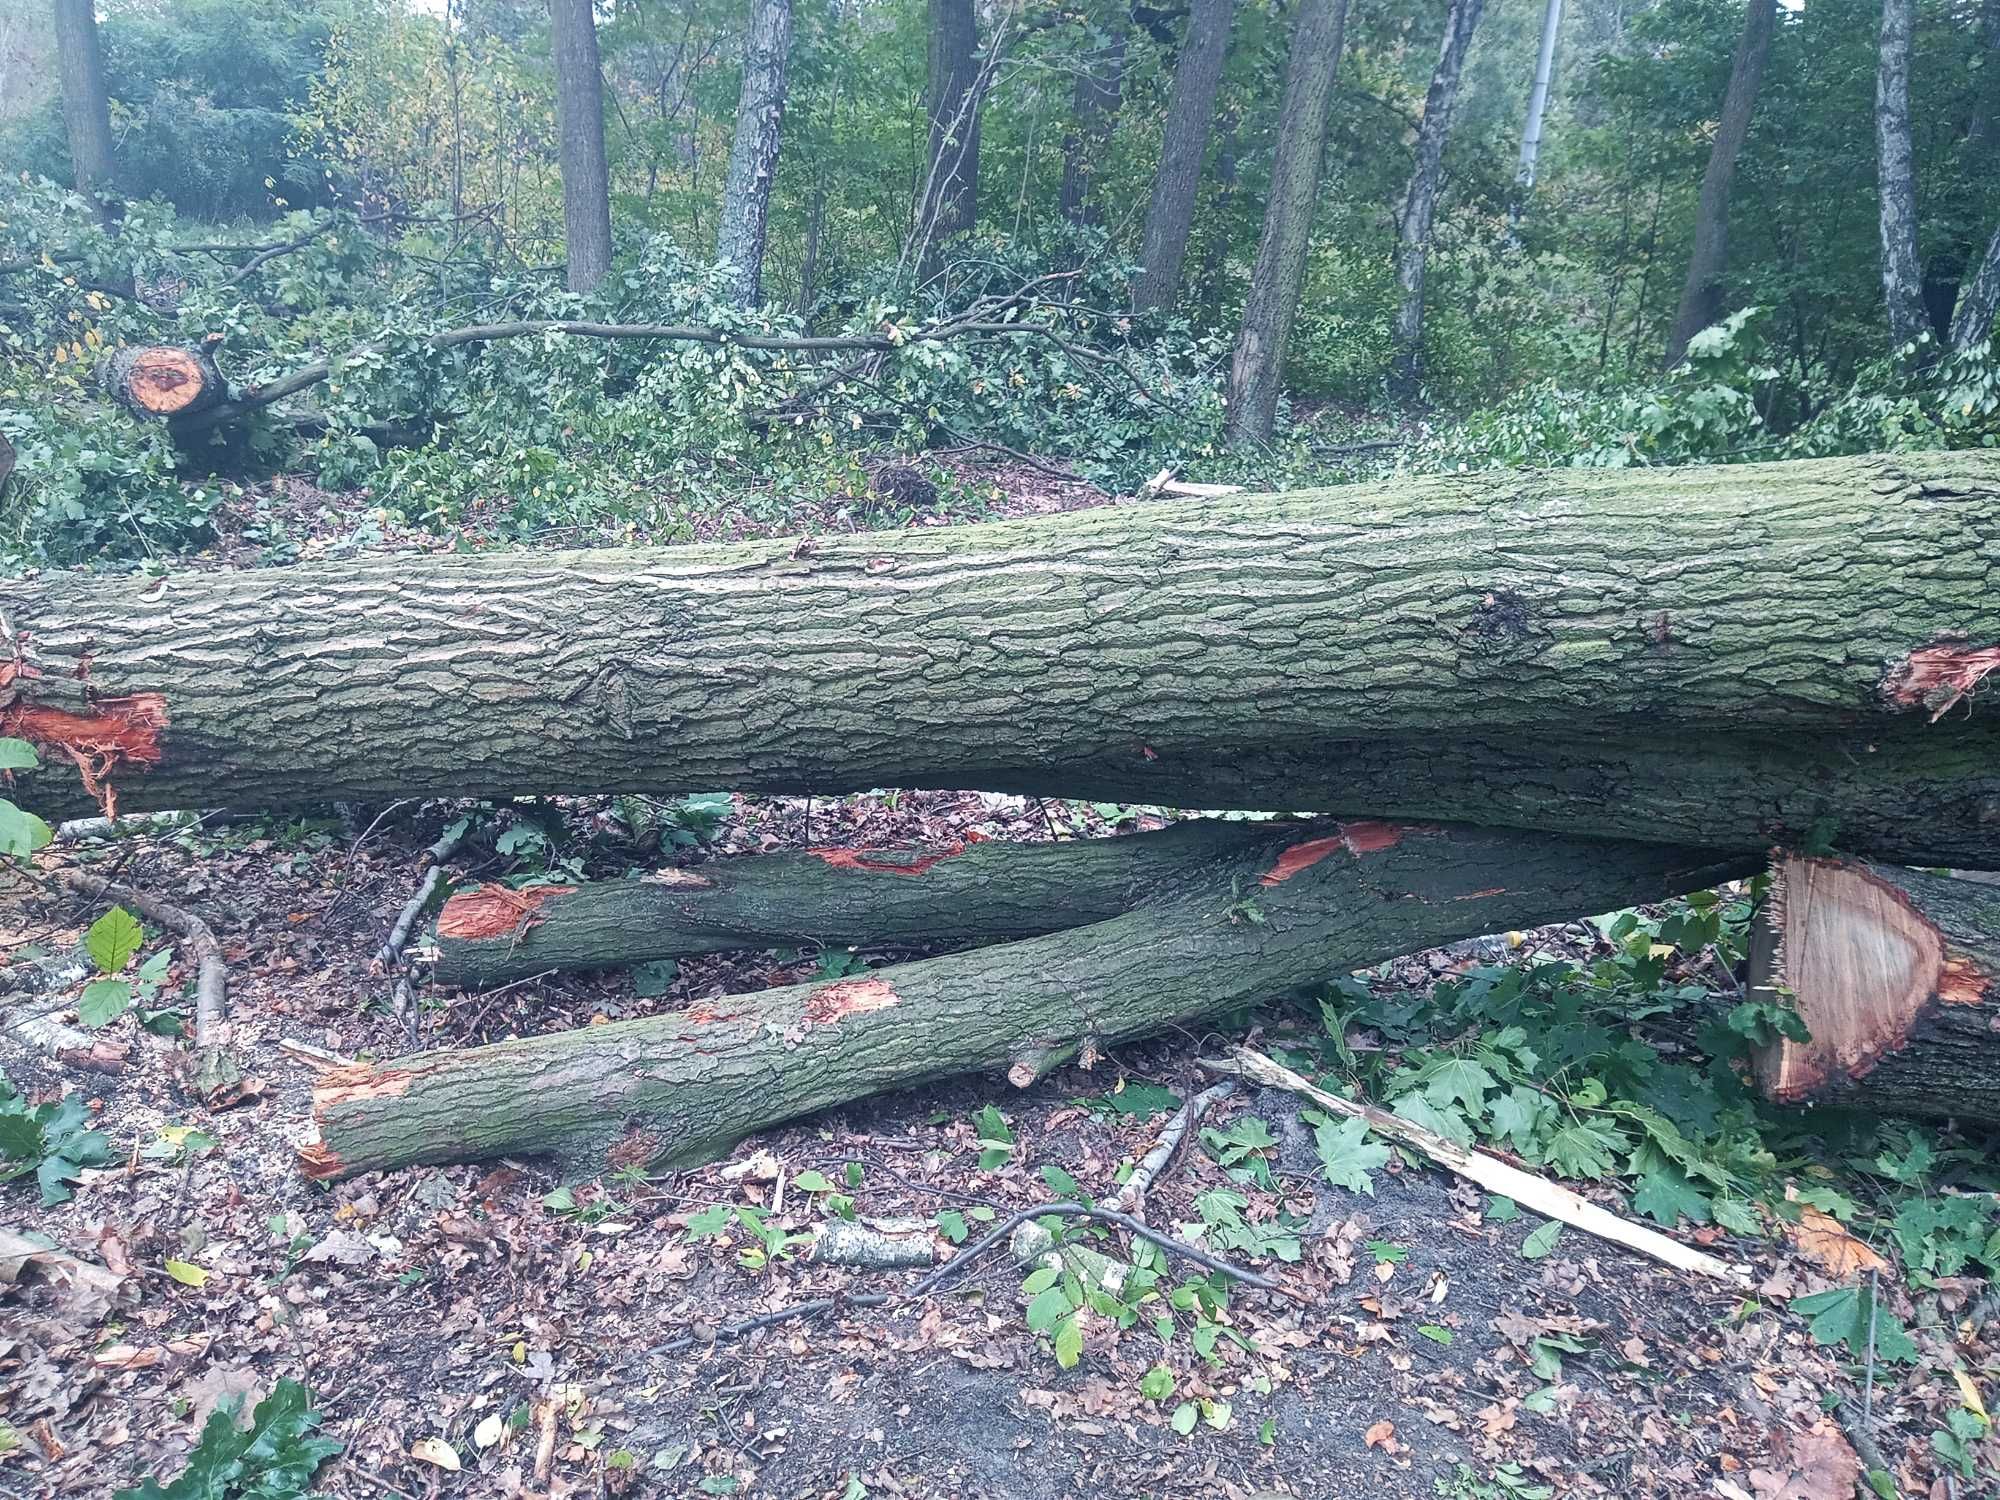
x: 1298, y: 904
x: 1857, y: 596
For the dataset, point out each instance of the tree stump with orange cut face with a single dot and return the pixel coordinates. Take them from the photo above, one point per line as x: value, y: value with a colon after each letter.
x: 164, y: 380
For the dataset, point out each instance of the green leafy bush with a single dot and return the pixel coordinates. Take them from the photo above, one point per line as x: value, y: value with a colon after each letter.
x: 273, y: 1457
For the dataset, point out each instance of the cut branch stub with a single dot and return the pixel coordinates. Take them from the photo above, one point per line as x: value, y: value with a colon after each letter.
x: 1896, y: 975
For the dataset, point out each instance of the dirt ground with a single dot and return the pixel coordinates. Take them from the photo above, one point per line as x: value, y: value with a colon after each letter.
x: 1418, y: 1352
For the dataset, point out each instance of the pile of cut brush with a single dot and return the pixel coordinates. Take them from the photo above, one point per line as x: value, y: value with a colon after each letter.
x: 1505, y: 699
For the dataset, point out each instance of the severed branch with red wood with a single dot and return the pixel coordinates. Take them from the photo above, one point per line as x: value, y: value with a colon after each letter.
x: 1286, y: 909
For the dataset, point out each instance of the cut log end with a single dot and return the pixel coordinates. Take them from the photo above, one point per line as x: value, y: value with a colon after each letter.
x: 163, y: 381
x: 1865, y: 966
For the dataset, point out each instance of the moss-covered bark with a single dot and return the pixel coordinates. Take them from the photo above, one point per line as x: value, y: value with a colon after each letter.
x: 1518, y: 609
x: 1896, y: 973
x: 1296, y: 907
x: 949, y: 894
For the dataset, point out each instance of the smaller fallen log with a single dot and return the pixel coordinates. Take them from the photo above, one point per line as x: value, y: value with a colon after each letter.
x: 165, y: 380
x: 1299, y: 904
x: 1896, y: 974
x: 957, y: 894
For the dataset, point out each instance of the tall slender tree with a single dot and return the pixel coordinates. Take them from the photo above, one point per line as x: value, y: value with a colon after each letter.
x: 1973, y: 322
x: 1190, y: 113
x: 1538, y: 96
x: 948, y: 201
x: 1279, y: 272
x: 753, y: 157
x: 1413, y: 239
x: 1701, y: 294
x: 1896, y: 177
x: 86, y: 102
x: 586, y: 181
x: 1094, y: 103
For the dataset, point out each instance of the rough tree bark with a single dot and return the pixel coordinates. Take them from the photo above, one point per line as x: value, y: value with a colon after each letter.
x: 1538, y: 97
x: 1413, y: 237
x: 1094, y: 102
x: 1280, y: 269
x: 1190, y: 111
x: 1972, y: 322
x: 1896, y: 974
x: 1298, y: 908
x: 1839, y: 595
x: 86, y: 101
x: 1896, y: 178
x: 1701, y: 294
x: 954, y: 894
x: 753, y: 157
x: 586, y: 180
x: 948, y: 202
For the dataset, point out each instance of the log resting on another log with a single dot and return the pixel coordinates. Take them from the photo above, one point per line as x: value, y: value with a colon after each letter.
x: 1296, y: 906
x: 1848, y: 598
x: 1896, y: 974
x: 965, y: 892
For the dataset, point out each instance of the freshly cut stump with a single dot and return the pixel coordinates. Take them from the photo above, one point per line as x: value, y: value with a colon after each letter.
x: 162, y: 380
x: 1896, y: 974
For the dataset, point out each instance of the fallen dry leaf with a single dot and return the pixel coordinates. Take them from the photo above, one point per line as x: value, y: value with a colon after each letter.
x: 433, y: 1450
x: 1817, y: 1465
x: 1382, y: 1435
x: 1820, y: 1237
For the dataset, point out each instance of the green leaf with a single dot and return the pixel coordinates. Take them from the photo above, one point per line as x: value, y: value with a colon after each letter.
x: 1142, y: 1100
x: 1583, y: 1148
x: 1069, y: 1344
x: 951, y: 1224
x: 1452, y: 1080
x: 103, y: 1001
x: 810, y: 1181
x: 1840, y: 1315
x: 113, y: 939
x: 187, y: 1274
x: 273, y: 1458
x: 1502, y: 1210
x: 1157, y: 1384
x: 1419, y: 1110
x: 1665, y: 1194
x: 1184, y: 1417
x: 17, y: 755
x: 21, y: 832
x: 1347, y: 1155
x: 1435, y: 1333
x: 1520, y: 1115
x: 1542, y: 1241
x: 1040, y: 1280
x: 1060, y: 1182
x: 1048, y: 1309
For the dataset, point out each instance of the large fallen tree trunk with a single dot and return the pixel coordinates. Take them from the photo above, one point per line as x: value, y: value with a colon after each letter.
x: 955, y: 894
x: 1847, y: 596
x: 1896, y: 974
x: 1294, y: 907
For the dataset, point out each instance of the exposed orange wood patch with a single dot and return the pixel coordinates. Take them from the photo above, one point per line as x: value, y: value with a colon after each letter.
x: 356, y: 1083
x: 493, y: 911
x: 848, y: 997
x: 317, y: 1161
x: 164, y: 380
x: 1938, y: 677
x: 1959, y: 983
x: 117, y: 732
x: 1302, y: 857
x: 896, y: 861
x: 1370, y: 837
x: 704, y: 1013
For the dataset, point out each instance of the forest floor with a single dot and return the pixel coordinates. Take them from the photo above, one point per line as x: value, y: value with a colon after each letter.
x: 519, y: 1321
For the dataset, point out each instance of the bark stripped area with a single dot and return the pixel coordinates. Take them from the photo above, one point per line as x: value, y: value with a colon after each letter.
x: 495, y: 911
x: 692, y: 1085
x: 1212, y: 632
x: 1940, y: 677
x: 112, y: 734
x: 1892, y: 972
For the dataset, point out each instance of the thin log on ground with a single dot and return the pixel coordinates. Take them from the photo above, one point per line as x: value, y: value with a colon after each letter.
x: 1550, y: 1199
x: 389, y: 957
x: 961, y: 893
x: 1130, y: 1197
x: 1292, y: 911
x: 1682, y: 606
x: 1896, y: 974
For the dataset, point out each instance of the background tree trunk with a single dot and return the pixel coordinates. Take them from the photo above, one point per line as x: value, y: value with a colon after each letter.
x: 1701, y: 295
x: 1190, y: 111
x: 679, y: 1088
x: 1201, y: 635
x: 949, y: 202
x: 1896, y: 974
x: 1094, y: 102
x: 1273, y: 300
x: 1973, y: 321
x: 946, y: 895
x: 586, y: 180
x: 1896, y: 177
x: 1420, y: 203
x: 753, y: 158
x: 86, y: 102
x: 1538, y: 96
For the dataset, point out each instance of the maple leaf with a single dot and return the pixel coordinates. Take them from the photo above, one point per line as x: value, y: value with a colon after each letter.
x: 1821, y: 1237
x: 1817, y: 1465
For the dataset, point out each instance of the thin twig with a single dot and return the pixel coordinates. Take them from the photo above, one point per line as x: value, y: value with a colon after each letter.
x: 1131, y: 1196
